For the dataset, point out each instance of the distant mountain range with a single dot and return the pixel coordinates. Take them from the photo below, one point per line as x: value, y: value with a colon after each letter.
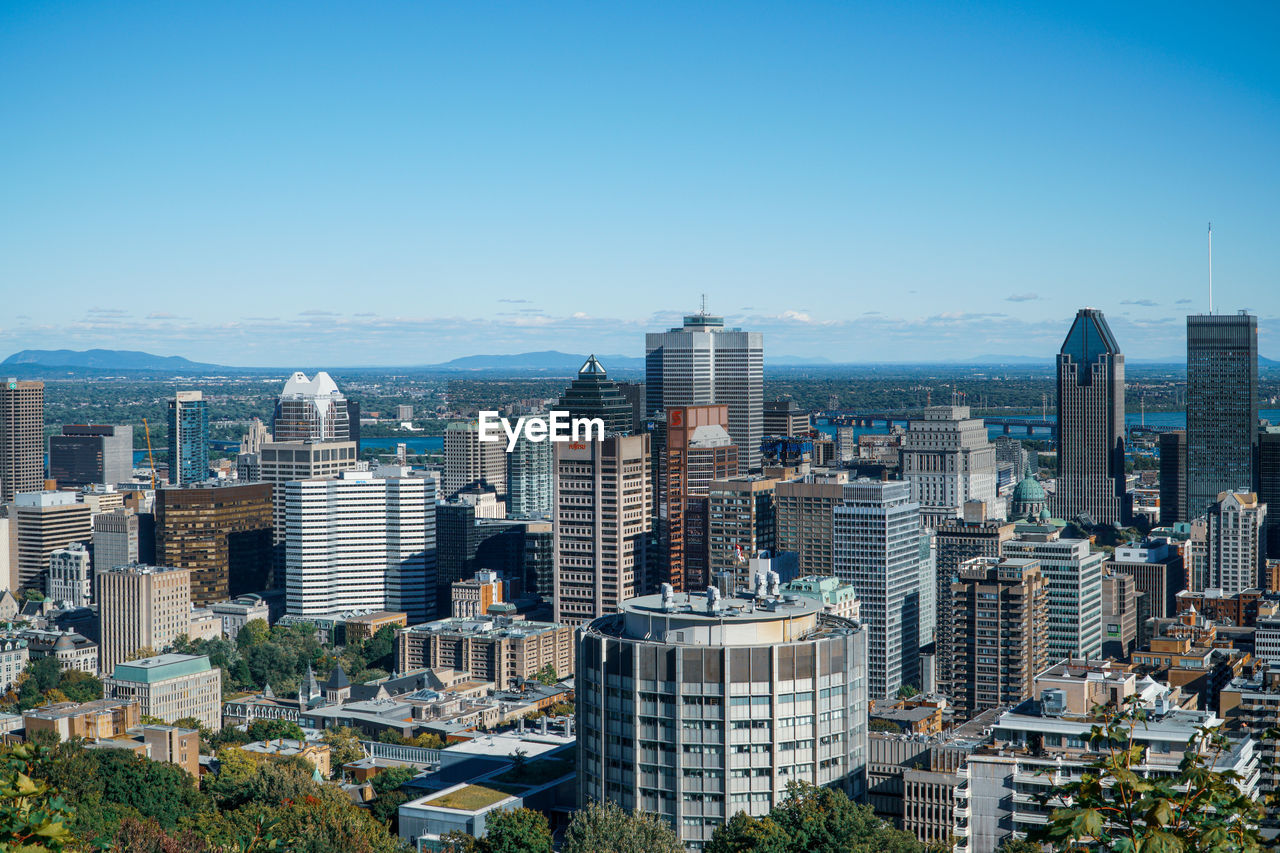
x: 547, y: 361
x: 105, y: 359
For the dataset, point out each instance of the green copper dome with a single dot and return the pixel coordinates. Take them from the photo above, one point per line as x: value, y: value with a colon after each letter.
x: 1028, y: 491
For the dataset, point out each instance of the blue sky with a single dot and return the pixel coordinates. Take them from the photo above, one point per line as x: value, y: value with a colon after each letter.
x: 401, y: 183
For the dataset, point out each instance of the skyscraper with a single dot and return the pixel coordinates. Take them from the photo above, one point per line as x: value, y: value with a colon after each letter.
x: 601, y: 525
x: 698, y: 451
x: 529, y: 479
x: 948, y: 460
x: 876, y: 543
x: 804, y: 509
x: 1173, y: 477
x: 140, y: 607
x: 703, y: 363
x: 1222, y: 406
x: 742, y: 523
x: 188, y: 438
x: 594, y: 395
x: 468, y: 461
x: 1074, y: 574
x: 116, y: 539
x: 363, y: 540
x: 90, y: 453
x: 222, y: 533
x: 311, y: 409
x: 1235, y: 542
x: 21, y: 438
x: 1090, y: 422
x: 44, y: 522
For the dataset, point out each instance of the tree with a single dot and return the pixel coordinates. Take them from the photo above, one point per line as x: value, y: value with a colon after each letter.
x: 252, y: 633
x: 906, y: 691
x: 517, y: 831
x: 274, y: 730
x: 608, y: 828
x: 344, y: 745
x: 1114, y: 806
x: 80, y: 686
x: 140, y: 653
x: 812, y: 819
x: 1020, y: 845
x: 428, y: 740
x: 33, y: 814
x: 547, y: 675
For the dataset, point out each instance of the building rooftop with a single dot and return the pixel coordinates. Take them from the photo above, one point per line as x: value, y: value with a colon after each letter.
x: 161, y: 668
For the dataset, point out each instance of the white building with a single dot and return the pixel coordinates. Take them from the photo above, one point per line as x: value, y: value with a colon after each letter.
x: 1074, y: 574
x: 238, y: 612
x: 311, y: 409
x: 360, y: 542
x: 13, y: 660
x: 170, y: 687
x: 948, y: 460
x: 876, y: 544
x: 70, y: 576
x: 1234, y: 543
x: 529, y: 468
x: 469, y: 461
x: 702, y: 363
x: 115, y: 539
x: 280, y: 462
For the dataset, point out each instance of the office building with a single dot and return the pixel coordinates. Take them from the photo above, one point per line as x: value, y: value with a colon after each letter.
x: 222, y: 533
x: 1158, y: 572
x: 1269, y: 486
x: 634, y: 393
x: 1222, y: 407
x: 948, y: 461
x: 697, y: 713
x: 43, y: 522
x: 141, y: 607
x: 741, y: 523
x: 468, y: 461
x: 601, y: 526
x: 697, y: 451
x: 170, y: 687
x: 280, y: 462
x: 594, y: 395
x: 805, y: 510
x: 1235, y: 544
x: 240, y: 611
x: 785, y: 418
x: 1120, y: 611
x: 474, y: 596
x: 876, y: 541
x: 1090, y: 422
x: 311, y: 410
x: 1009, y: 450
x: 468, y: 543
x: 188, y: 422
x: 998, y: 637
x: 21, y: 438
x: 529, y: 479
x: 1173, y: 477
x: 496, y: 649
x: 70, y: 577
x: 404, y: 413
x: 89, y: 453
x: 1074, y: 574
x: 360, y: 541
x: 702, y: 363
x: 116, y: 539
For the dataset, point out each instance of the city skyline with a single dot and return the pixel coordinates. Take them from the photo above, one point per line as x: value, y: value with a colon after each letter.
x: 429, y: 182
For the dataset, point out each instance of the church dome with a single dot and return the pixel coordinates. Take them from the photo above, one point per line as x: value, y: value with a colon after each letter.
x: 1028, y: 491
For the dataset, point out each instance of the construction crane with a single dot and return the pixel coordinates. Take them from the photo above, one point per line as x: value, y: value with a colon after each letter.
x: 151, y: 460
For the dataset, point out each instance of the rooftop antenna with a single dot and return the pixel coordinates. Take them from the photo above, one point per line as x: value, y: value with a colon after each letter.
x: 703, y: 312
x: 1210, y: 267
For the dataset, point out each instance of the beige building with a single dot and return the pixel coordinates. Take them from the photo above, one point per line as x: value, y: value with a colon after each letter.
x: 170, y: 687
x: 14, y: 655
x: 283, y: 461
x: 490, y: 649
x: 472, y: 597
x: 805, y: 520
x: 43, y: 522
x: 601, y: 526
x: 21, y: 438
x: 365, y: 625
x: 468, y: 460
x: 741, y: 524
x: 141, y: 607
x: 99, y: 719
x: 173, y: 745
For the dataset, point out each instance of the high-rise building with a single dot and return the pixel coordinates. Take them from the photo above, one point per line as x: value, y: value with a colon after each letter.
x: 1090, y: 422
x: 115, y: 539
x: 634, y: 393
x: 703, y: 363
x: 283, y: 461
x: 362, y: 541
x: 222, y: 533
x: 1074, y: 574
x: 1173, y: 477
x: 697, y: 713
x: 140, y: 607
x: 529, y: 479
x: 1222, y: 407
x: 468, y: 461
x: 21, y: 438
x: 1235, y: 544
x: 741, y: 524
x: 1159, y: 575
x: 998, y: 640
x: 1010, y: 450
x: 311, y: 410
x: 594, y: 395
x: 1268, y: 487
x: 89, y: 453
x: 1120, y: 597
x: 469, y: 543
x: 43, y: 522
x: 785, y: 418
x: 876, y: 539
x: 188, y: 422
x: 171, y: 687
x: 697, y: 451
x: 948, y: 460
x: 601, y: 526
x: 805, y: 510
x: 70, y: 576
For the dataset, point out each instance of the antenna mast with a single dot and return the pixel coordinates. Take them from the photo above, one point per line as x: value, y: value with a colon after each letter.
x: 1210, y: 267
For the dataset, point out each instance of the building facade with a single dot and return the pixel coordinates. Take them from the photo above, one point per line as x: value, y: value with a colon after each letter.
x: 141, y: 607
x: 1074, y: 575
x: 741, y: 523
x: 311, y: 410
x: 170, y: 687
x: 222, y: 533
x: 948, y: 461
x: 1173, y: 477
x: 697, y: 451
x: 116, y: 539
x: 188, y: 422
x: 44, y: 522
x: 70, y: 576
x: 1090, y: 422
x: 21, y: 438
x: 529, y: 492
x: 1235, y: 542
x: 1222, y: 407
x: 89, y: 453
x: 594, y: 395
x: 805, y: 510
x: 489, y: 649
x: 697, y: 712
x: 468, y: 461
x: 280, y: 462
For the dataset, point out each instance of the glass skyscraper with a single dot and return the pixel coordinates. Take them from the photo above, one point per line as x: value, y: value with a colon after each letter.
x: 594, y: 395
x: 1222, y: 407
x: 188, y: 438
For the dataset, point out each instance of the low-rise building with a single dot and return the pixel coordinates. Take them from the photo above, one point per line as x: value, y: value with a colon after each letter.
x: 365, y: 625
x: 173, y: 745
x: 472, y: 597
x: 497, y: 649
x: 462, y: 808
x: 170, y: 687
x: 315, y: 753
x: 837, y: 597
x: 240, y: 611
x: 14, y: 655
x: 101, y: 718
x: 73, y: 651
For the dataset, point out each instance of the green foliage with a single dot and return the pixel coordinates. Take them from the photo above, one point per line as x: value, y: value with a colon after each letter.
x: 32, y: 595
x: 391, y: 779
x: 608, y: 828
x: 33, y: 814
x: 44, y: 681
x: 884, y: 726
x: 516, y: 831
x: 1114, y: 806
x: 1020, y: 845
x: 274, y: 730
x: 813, y: 819
x: 344, y: 746
x: 906, y: 691
x: 427, y: 740
x: 547, y: 675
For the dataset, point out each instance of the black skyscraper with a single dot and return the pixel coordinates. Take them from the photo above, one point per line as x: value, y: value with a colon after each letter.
x: 1222, y: 407
x: 594, y: 395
